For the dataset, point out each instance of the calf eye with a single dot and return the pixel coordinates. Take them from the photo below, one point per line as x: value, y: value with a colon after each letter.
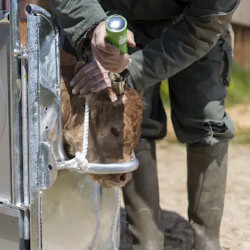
x: 115, y: 131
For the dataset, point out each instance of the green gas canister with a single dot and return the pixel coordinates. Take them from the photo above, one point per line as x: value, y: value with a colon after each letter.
x: 116, y: 30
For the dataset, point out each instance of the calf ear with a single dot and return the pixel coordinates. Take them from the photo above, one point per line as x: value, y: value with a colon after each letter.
x: 78, y: 66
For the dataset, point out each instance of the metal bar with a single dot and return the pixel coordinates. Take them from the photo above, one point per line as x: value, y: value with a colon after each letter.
x: 100, y: 168
x: 32, y: 9
x: 113, y: 168
x: 53, y: 85
x: 16, y: 146
x: 61, y: 152
x: 15, y: 206
x: 25, y: 144
x: 34, y: 134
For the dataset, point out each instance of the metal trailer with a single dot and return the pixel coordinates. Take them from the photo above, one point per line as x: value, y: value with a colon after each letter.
x: 40, y: 206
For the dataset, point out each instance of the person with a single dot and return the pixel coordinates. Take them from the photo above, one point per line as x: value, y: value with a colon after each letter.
x: 187, y: 42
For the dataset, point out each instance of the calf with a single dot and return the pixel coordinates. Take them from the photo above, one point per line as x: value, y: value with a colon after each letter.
x: 114, y: 125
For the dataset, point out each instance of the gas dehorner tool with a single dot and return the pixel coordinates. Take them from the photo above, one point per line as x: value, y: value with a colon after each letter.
x: 116, y: 30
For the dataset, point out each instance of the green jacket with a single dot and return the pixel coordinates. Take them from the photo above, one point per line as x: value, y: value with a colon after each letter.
x: 196, y: 26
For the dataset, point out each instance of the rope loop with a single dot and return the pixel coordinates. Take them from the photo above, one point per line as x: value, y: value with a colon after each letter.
x: 81, y: 161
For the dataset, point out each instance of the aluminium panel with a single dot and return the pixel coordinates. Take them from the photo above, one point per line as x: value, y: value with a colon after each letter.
x: 10, y: 219
x: 5, y: 155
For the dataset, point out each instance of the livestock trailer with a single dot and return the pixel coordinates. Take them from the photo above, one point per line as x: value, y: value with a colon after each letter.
x: 41, y: 205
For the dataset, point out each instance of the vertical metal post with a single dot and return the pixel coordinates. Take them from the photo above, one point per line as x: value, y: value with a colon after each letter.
x: 34, y: 132
x: 19, y: 194
x: 16, y: 145
x: 25, y: 143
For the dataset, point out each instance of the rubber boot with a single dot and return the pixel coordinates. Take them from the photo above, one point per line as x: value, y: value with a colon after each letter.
x: 207, y: 170
x: 141, y: 197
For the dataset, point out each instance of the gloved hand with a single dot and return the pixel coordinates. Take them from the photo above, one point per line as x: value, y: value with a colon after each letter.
x: 108, y: 55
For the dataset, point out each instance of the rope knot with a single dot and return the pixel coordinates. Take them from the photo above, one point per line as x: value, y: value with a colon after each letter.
x: 82, y: 162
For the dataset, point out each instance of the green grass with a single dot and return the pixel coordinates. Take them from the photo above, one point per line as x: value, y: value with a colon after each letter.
x: 242, y: 137
x: 165, y: 93
x: 239, y: 89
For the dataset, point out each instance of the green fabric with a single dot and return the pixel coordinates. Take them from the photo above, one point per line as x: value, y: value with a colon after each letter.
x: 154, y: 117
x: 180, y: 45
x: 198, y: 25
x: 197, y: 97
x: 77, y: 18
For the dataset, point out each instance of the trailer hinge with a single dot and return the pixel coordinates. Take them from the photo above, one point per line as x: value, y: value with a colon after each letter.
x: 19, y: 206
x: 21, y: 53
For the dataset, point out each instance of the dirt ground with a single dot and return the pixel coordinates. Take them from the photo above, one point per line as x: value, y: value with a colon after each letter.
x: 235, y: 229
x: 240, y: 115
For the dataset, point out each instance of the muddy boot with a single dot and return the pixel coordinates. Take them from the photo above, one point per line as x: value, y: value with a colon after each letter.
x: 141, y: 197
x: 207, y: 170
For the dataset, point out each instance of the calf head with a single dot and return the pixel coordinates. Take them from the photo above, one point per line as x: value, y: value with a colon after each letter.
x: 114, y: 126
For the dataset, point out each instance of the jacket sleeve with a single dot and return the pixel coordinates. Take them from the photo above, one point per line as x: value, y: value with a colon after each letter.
x: 77, y: 18
x: 191, y: 38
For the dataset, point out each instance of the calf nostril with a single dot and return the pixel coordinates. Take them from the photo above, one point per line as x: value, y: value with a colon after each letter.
x: 115, y: 131
x: 124, y: 178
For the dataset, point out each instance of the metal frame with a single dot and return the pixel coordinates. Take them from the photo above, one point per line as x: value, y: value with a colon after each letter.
x: 5, y: 129
x: 25, y: 145
x: 13, y: 211
x: 39, y: 158
x: 16, y: 137
x: 14, y: 220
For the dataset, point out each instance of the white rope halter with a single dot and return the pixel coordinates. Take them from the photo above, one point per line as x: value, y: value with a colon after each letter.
x: 80, y: 157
